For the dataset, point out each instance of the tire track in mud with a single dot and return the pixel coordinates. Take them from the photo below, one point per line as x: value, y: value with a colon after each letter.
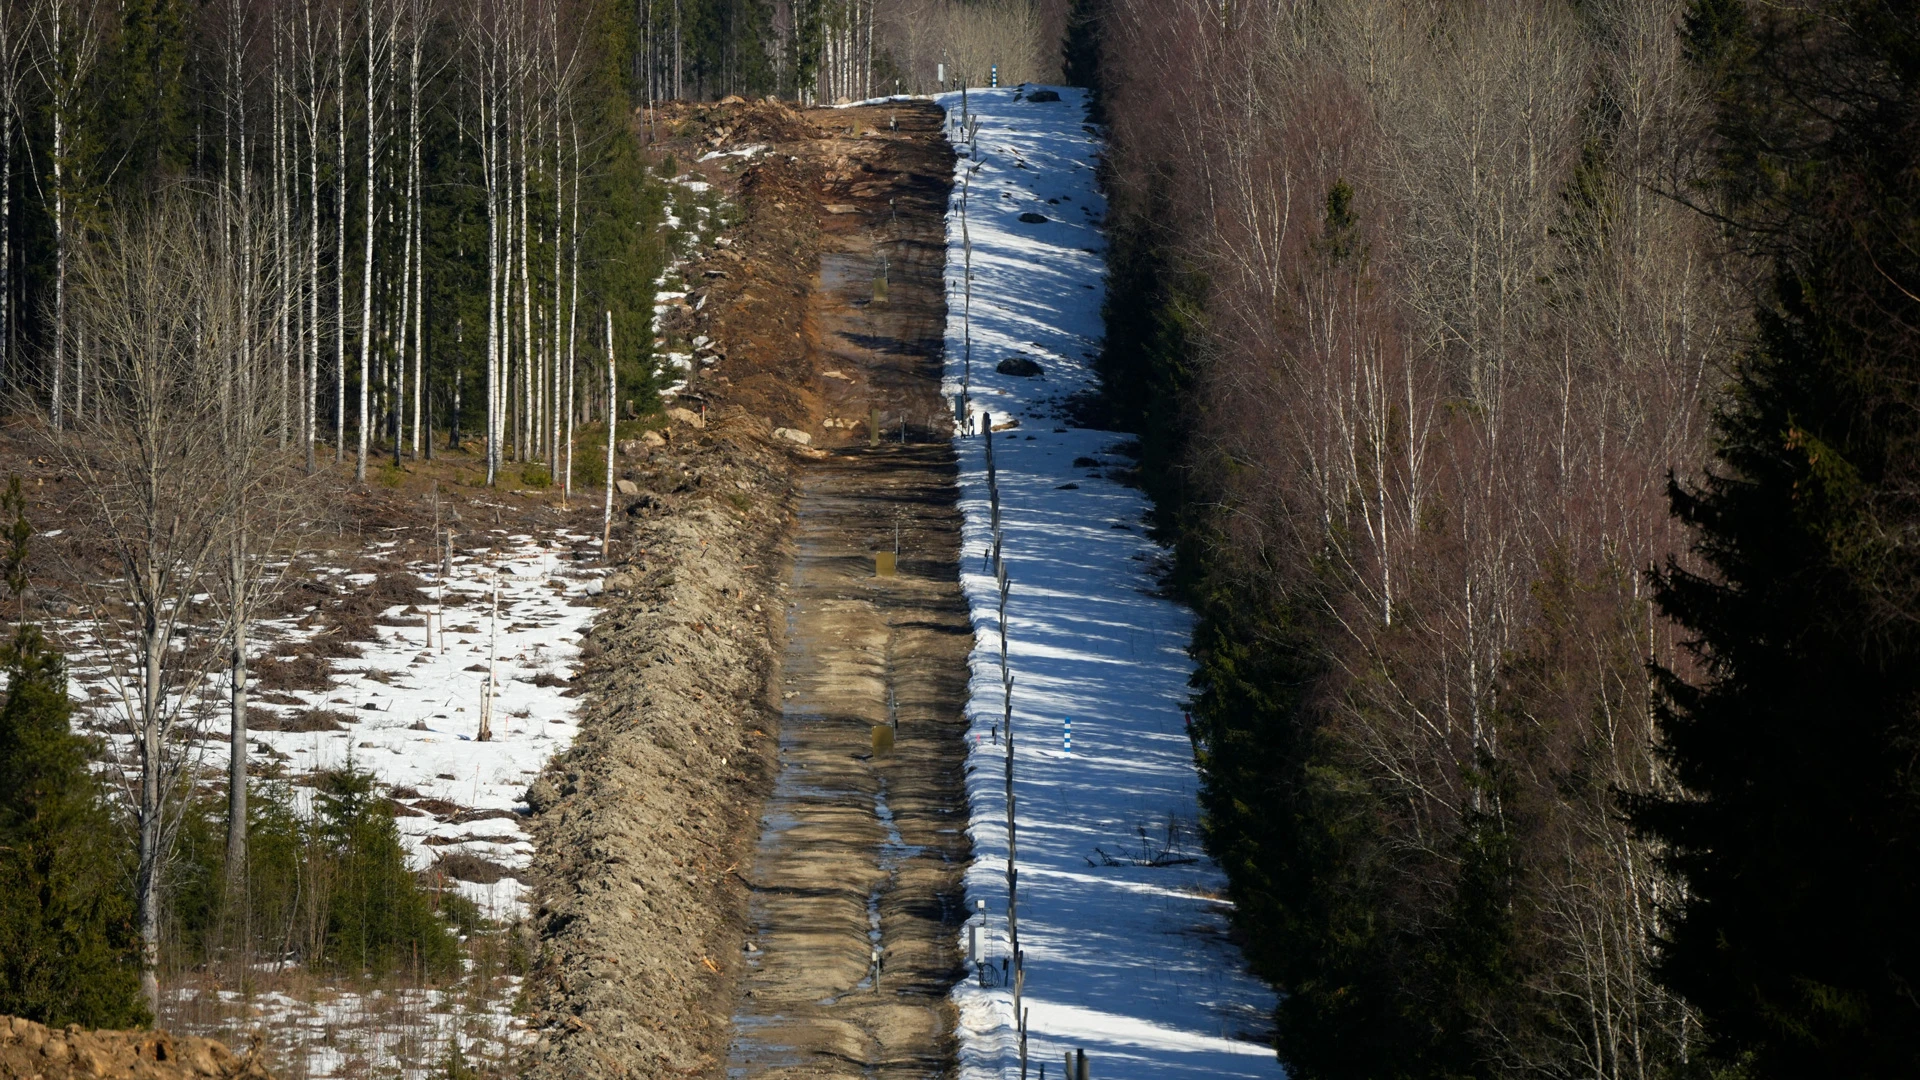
x: 862, y: 852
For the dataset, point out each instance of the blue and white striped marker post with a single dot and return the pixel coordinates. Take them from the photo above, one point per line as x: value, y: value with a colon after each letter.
x: 1066, y: 735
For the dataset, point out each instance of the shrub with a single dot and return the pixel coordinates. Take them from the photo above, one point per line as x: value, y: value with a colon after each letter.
x: 378, y: 917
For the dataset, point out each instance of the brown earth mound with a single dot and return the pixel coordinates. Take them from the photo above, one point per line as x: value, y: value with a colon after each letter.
x: 643, y: 824
x: 29, y: 1050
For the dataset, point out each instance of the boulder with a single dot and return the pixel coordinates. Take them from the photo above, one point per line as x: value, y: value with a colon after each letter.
x: 793, y: 436
x: 653, y: 438
x: 1020, y: 366
x: 1043, y: 95
x: 687, y: 416
x: 736, y: 99
x: 1032, y: 218
x: 631, y: 447
x: 626, y: 487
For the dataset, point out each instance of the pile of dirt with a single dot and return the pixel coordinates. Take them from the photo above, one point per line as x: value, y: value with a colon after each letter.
x: 28, y: 1049
x: 726, y: 124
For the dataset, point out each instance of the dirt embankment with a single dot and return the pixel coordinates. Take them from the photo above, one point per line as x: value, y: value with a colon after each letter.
x: 646, y: 825
x: 639, y: 824
x: 30, y: 1050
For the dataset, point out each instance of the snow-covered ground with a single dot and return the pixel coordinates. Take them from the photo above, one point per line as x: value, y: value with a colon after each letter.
x: 409, y: 707
x: 1127, y: 961
x: 405, y: 1033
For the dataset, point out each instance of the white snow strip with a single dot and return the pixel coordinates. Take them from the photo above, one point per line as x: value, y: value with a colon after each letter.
x: 1126, y: 961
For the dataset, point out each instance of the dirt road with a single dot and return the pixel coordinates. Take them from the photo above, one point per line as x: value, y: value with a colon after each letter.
x: 862, y: 847
x: 721, y: 852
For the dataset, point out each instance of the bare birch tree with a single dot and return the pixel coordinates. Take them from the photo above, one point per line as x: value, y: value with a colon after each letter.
x: 155, y: 303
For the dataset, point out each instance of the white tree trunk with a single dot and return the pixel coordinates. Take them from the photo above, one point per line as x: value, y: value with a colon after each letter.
x: 613, y: 390
x: 340, y: 236
x: 366, y: 265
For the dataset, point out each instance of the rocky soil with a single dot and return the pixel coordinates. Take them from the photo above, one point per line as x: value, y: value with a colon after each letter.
x: 30, y: 1051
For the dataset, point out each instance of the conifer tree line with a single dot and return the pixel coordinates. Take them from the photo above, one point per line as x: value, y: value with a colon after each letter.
x: 1527, y: 388
x: 824, y: 51
x: 438, y: 188
x: 444, y: 186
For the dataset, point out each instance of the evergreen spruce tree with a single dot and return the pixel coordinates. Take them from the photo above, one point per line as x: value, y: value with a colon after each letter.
x: 379, y: 919
x: 1794, y: 739
x: 69, y: 950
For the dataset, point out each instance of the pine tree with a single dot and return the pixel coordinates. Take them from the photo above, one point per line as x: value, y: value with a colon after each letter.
x: 69, y: 948
x: 1793, y: 743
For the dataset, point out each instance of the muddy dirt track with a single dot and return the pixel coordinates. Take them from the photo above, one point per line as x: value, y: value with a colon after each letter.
x: 862, y: 846
x: 723, y: 850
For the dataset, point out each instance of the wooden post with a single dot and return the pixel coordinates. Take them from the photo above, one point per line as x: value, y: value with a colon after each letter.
x: 606, y: 517
x: 493, y: 652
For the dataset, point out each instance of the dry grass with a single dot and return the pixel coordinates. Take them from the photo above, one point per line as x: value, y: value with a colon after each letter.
x: 313, y: 1025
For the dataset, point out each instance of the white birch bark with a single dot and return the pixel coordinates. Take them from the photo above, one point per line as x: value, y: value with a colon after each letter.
x: 366, y: 265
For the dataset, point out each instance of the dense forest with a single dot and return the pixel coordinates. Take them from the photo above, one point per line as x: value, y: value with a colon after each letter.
x: 1527, y: 388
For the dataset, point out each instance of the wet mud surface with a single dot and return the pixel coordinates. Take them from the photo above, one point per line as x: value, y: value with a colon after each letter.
x: 856, y: 899
x: 722, y: 852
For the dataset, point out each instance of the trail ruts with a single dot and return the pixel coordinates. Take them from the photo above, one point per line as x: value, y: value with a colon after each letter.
x: 647, y: 828
x: 863, y: 850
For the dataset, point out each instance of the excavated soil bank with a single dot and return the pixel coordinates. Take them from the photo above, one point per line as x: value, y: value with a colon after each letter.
x: 32, y: 1050
x: 657, y: 891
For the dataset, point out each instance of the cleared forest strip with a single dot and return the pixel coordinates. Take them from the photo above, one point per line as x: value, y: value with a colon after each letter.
x: 1123, y: 951
x: 856, y: 882
x: 644, y: 826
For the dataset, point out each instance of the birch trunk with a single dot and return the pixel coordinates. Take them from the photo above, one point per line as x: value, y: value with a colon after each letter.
x: 613, y: 390
x: 340, y: 236
x: 573, y: 301
x: 366, y: 268
x: 237, y: 724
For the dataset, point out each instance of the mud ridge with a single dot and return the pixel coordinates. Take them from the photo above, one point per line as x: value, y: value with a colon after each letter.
x: 641, y: 825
